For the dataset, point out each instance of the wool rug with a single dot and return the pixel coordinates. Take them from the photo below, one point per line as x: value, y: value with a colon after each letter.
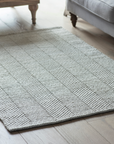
x: 50, y: 76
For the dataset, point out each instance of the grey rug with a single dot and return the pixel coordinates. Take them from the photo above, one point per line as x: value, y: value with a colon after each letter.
x: 51, y: 76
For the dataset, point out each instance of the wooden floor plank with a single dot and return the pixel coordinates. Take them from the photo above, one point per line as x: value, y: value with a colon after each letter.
x: 99, y: 117
x: 7, y: 138
x: 104, y: 129
x: 14, y: 21
x: 110, y: 121
x: 81, y: 132
x: 44, y: 136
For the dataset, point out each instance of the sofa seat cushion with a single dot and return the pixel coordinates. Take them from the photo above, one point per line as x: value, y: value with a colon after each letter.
x: 101, y: 8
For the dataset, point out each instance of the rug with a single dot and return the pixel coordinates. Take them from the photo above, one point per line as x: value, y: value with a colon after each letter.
x: 51, y: 76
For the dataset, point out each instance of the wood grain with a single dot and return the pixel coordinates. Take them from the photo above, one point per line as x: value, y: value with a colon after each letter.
x: 104, y: 129
x: 44, y: 136
x: 80, y: 133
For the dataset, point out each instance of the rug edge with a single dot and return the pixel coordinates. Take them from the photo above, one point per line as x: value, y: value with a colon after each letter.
x: 57, y: 122
x: 59, y: 27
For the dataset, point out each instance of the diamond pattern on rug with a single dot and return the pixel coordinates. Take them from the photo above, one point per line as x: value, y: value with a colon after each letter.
x: 50, y: 76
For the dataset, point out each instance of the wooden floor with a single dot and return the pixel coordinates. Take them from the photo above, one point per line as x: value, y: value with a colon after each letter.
x: 93, y: 130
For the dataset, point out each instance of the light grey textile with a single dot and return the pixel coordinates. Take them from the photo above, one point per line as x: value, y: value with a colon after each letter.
x: 50, y: 76
x: 91, y: 18
x: 101, y: 8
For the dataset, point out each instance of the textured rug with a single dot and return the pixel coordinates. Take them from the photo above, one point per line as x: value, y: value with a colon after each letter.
x: 51, y: 76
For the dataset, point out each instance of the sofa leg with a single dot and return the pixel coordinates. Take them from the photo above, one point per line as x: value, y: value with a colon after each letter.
x: 73, y: 19
x: 33, y: 9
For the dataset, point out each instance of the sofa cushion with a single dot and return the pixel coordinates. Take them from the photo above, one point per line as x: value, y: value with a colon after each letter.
x: 101, y: 8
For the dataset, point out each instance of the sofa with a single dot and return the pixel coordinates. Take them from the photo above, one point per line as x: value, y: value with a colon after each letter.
x: 99, y: 13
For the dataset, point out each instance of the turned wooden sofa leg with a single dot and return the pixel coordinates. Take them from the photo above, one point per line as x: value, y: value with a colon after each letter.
x: 33, y: 9
x: 73, y: 19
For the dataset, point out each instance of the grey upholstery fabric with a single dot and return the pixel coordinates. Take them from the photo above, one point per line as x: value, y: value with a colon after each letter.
x: 101, y: 8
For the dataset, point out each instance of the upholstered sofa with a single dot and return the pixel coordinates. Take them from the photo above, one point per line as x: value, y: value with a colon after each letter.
x: 99, y: 13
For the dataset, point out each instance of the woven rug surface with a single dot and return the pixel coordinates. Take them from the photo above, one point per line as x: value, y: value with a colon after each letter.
x: 50, y: 76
